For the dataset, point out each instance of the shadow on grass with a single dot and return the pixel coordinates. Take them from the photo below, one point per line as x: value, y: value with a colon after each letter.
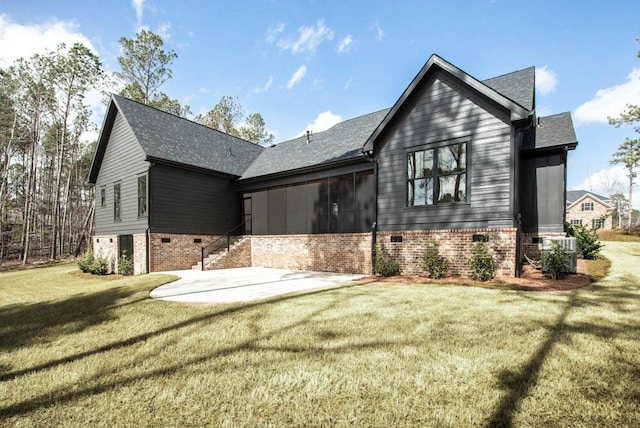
x: 64, y: 395
x: 22, y: 325
x: 597, y: 296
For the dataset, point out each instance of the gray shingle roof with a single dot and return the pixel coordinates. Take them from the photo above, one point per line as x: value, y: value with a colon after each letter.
x: 341, y: 142
x: 518, y: 86
x: 175, y: 139
x: 574, y: 195
x: 552, y: 131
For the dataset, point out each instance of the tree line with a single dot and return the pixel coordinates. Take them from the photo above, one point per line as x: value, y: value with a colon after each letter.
x: 46, y: 204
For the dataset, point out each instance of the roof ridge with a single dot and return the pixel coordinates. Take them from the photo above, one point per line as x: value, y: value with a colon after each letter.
x: 184, y: 118
x: 511, y: 72
x: 334, y: 125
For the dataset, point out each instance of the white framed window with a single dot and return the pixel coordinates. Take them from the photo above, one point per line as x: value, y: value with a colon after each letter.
x: 576, y: 222
x: 587, y: 206
x: 117, y: 215
x: 597, y: 223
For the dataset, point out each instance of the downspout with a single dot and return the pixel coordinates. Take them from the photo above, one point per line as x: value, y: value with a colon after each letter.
x: 149, y: 217
x: 374, y: 226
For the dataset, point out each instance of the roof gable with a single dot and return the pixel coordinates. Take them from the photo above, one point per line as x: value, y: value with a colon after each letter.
x: 517, y: 111
x: 575, y: 197
x: 173, y: 139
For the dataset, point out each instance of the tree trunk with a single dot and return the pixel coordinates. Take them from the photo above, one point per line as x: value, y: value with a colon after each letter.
x: 631, y: 175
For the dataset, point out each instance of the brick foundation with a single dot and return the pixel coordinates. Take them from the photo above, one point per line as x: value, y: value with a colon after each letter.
x: 346, y: 253
x: 107, y: 246
x: 455, y: 245
x: 238, y: 256
x: 179, y: 252
x: 534, y: 250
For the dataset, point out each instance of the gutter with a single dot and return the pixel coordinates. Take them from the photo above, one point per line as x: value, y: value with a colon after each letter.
x: 370, y: 156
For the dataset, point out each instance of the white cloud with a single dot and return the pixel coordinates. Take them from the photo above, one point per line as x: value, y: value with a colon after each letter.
x: 22, y: 41
x: 610, y: 102
x: 203, y: 90
x: 322, y: 122
x: 297, y: 76
x: 138, y: 5
x: 606, y: 181
x: 308, y: 40
x: 378, y: 32
x: 163, y: 30
x: 345, y: 44
x: 266, y: 86
x: 546, y: 80
x: 347, y: 84
x: 274, y: 32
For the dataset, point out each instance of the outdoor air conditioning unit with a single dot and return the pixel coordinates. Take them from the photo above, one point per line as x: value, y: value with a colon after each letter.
x: 569, y: 247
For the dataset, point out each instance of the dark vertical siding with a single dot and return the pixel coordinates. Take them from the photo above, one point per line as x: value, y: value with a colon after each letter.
x: 185, y: 201
x: 442, y: 108
x: 542, y: 193
x: 123, y: 162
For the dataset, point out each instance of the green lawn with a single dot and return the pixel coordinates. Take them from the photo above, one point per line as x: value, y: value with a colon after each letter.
x: 83, y: 352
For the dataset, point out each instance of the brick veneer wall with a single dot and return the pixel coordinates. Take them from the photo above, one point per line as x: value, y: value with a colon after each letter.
x: 238, y: 256
x: 107, y: 246
x: 534, y: 250
x: 587, y: 217
x: 456, y: 245
x: 139, y: 254
x: 347, y: 253
x: 181, y: 252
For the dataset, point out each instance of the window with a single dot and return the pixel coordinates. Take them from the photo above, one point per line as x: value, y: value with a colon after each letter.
x: 103, y: 197
x: 142, y: 196
x: 597, y: 223
x: 587, y: 206
x: 576, y: 222
x: 437, y: 176
x: 116, y: 202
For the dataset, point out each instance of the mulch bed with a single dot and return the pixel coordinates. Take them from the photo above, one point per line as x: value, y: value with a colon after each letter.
x: 530, y: 280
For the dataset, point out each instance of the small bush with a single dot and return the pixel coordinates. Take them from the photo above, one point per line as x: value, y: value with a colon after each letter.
x: 588, y: 245
x: 86, y: 262
x: 90, y: 263
x: 481, y: 263
x: 555, y: 260
x: 125, y: 264
x: 433, y: 263
x: 383, y: 264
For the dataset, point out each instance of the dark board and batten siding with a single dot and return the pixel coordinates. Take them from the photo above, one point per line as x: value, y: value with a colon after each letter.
x: 442, y: 109
x: 542, y: 192
x: 123, y: 162
x: 191, y: 202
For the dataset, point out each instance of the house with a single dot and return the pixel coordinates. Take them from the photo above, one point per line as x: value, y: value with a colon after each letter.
x: 454, y: 159
x: 589, y: 209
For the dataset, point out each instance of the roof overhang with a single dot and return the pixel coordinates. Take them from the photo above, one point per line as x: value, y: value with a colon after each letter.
x: 103, y: 139
x: 517, y: 112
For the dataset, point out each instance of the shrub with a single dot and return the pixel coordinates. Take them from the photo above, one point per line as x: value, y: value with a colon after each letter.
x: 587, y: 243
x: 125, y: 264
x: 100, y: 266
x: 86, y: 262
x: 383, y: 264
x: 481, y: 263
x: 90, y: 263
x: 433, y: 263
x: 555, y: 260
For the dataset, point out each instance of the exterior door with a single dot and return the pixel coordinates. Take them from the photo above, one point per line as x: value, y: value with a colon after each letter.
x: 125, y: 243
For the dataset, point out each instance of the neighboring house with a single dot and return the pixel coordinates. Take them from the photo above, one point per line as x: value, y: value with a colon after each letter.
x: 589, y: 209
x: 454, y: 159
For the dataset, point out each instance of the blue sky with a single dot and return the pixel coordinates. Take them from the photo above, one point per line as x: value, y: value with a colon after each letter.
x: 307, y: 64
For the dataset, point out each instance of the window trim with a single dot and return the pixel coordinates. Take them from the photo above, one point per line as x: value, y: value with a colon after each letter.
x: 435, y: 146
x: 145, y: 196
x: 584, y: 206
x: 103, y: 196
x: 117, y: 204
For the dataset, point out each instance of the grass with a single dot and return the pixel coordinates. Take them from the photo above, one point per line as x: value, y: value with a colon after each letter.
x: 78, y: 351
x: 618, y: 235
